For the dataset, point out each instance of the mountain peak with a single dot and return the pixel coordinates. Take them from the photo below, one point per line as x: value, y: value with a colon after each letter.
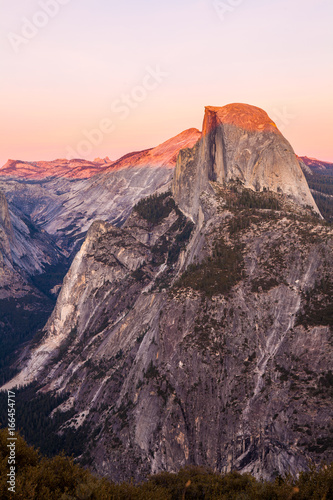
x: 239, y: 142
x: 241, y: 115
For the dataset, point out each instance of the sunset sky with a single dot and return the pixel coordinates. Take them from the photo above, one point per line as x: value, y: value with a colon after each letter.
x: 96, y: 78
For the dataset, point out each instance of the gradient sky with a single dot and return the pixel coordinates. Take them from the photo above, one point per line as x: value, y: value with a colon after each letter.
x: 69, y: 78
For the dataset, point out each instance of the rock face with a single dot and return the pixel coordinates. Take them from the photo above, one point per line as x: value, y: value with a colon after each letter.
x: 38, y: 170
x: 6, y: 229
x: 241, y: 142
x: 24, y: 251
x: 204, y: 339
x: 4, y: 215
x: 24, y: 245
x: 228, y: 367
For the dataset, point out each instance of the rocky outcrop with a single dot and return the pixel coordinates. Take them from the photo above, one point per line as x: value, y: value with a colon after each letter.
x: 228, y: 367
x: 205, y: 343
x: 23, y: 244
x: 239, y: 142
x: 4, y: 215
x: 51, y: 207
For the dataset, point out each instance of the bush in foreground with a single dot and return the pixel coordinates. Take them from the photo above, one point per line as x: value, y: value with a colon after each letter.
x: 59, y: 478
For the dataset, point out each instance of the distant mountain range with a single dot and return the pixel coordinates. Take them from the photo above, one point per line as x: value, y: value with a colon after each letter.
x: 317, y: 165
x: 164, y: 155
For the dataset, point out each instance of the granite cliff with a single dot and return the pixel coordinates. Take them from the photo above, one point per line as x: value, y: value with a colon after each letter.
x: 200, y: 332
x: 241, y: 142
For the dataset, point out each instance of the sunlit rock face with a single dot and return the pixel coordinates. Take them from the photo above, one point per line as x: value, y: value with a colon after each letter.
x: 164, y: 155
x: 239, y: 142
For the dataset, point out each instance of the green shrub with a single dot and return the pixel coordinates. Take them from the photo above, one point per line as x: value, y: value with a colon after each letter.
x: 155, y: 208
x: 39, y: 478
x: 216, y: 274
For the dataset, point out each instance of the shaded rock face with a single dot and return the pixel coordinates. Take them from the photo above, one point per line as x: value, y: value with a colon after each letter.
x: 6, y: 230
x: 241, y: 142
x: 24, y: 250
x: 23, y: 244
x: 161, y: 373
x: 4, y: 215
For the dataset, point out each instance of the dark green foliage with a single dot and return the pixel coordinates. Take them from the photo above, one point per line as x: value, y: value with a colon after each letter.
x: 173, y: 254
x: 155, y: 208
x: 21, y: 318
x: 123, y: 412
x: 326, y: 380
x: 216, y: 274
x: 33, y: 420
x: 186, y: 232
x: 285, y: 374
x: 239, y: 197
x: 321, y: 445
x: 39, y: 478
x: 325, y: 205
x: 181, y: 239
x: 318, y: 307
x: 151, y: 372
x: 264, y: 284
x: 238, y: 223
x: 321, y: 184
x: 139, y: 275
x: 52, y: 276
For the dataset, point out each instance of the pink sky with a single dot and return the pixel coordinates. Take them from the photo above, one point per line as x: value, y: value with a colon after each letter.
x: 102, y: 78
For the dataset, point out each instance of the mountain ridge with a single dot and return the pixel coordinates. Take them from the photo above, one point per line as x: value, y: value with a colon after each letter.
x: 163, y: 155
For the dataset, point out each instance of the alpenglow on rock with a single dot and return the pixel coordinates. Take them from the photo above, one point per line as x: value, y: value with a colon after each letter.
x: 241, y: 142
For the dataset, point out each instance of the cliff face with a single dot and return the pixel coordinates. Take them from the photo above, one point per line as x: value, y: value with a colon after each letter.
x: 239, y: 141
x: 6, y: 229
x: 227, y: 367
x: 176, y: 342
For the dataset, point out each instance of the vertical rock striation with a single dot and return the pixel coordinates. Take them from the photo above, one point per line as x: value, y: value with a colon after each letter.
x: 239, y: 142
